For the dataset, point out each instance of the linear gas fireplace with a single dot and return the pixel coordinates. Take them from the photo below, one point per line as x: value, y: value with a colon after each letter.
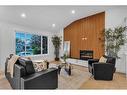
x: 86, y: 54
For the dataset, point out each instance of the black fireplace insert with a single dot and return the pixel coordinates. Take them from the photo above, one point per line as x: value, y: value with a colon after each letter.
x: 86, y: 54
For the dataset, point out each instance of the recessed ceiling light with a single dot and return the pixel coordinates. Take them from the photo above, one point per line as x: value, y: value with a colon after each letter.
x: 23, y: 15
x: 53, y: 25
x: 73, y: 11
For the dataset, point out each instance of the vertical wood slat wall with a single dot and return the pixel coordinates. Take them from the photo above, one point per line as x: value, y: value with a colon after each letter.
x: 91, y: 28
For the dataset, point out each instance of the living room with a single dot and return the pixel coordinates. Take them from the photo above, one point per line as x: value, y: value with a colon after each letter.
x: 23, y: 27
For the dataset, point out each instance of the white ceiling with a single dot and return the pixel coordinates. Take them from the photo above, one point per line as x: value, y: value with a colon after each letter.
x: 42, y: 17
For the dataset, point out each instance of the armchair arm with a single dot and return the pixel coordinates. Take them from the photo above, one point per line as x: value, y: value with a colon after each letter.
x: 16, y: 80
x: 19, y: 71
x: 6, y: 64
x: 91, y: 61
x: 103, y: 71
x: 47, y: 79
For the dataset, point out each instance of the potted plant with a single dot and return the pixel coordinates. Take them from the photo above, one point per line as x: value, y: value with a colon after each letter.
x: 56, y: 42
x: 114, y: 39
x: 64, y: 57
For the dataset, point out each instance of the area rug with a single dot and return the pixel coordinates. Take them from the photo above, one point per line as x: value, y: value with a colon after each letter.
x: 78, y: 77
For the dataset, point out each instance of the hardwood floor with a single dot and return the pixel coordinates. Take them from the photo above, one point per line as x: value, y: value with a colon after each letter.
x: 1, y: 74
x: 119, y: 82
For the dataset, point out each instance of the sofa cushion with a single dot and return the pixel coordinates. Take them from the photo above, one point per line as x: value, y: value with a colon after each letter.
x: 102, y: 60
x: 28, y: 65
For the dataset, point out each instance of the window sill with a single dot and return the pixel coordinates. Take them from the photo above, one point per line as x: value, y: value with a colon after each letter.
x: 35, y: 55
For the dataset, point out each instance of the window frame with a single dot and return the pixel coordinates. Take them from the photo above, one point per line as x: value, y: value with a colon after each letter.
x: 41, y: 42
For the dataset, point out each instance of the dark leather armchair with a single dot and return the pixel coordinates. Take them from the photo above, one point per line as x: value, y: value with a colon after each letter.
x: 102, y: 71
x: 47, y: 79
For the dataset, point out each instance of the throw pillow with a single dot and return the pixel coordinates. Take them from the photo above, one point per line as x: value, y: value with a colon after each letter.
x: 102, y: 60
x: 40, y: 65
x: 28, y: 65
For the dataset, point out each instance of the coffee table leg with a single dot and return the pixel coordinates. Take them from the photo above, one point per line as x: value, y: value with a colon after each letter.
x: 69, y: 70
x: 59, y: 69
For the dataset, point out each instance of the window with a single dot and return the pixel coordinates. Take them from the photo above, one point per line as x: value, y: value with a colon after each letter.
x: 29, y: 49
x: 20, y: 43
x: 31, y: 44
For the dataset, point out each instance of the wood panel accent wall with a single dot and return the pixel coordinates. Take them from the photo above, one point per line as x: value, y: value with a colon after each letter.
x: 89, y: 27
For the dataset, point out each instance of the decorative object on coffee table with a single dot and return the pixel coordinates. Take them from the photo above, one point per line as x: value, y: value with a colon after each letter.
x: 56, y: 42
x: 66, y: 66
x: 64, y: 57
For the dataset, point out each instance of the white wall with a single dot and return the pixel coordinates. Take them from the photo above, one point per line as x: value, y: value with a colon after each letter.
x: 7, y: 43
x: 113, y: 18
x: 0, y: 46
x: 61, y: 34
